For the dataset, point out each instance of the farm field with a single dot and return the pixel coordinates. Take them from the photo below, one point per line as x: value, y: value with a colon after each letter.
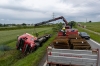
x: 94, y: 26
x: 8, y: 38
x: 11, y: 35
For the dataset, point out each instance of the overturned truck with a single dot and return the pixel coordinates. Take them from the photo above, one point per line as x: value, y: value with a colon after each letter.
x: 28, y: 43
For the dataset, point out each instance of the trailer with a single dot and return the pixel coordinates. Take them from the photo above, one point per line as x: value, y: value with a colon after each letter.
x: 71, y: 50
x: 70, y: 57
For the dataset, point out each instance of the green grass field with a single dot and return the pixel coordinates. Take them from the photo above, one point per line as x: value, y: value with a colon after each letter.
x: 11, y: 35
x: 94, y: 26
x: 11, y: 57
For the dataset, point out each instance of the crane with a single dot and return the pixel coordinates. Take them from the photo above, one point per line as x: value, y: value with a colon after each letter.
x: 44, y: 22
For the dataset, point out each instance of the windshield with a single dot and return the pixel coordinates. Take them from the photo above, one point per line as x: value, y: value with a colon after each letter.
x: 83, y: 33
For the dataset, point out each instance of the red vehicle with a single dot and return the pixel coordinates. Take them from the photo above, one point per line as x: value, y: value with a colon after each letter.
x: 28, y: 43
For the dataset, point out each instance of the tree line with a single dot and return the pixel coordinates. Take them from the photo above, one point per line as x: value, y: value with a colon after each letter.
x: 10, y: 25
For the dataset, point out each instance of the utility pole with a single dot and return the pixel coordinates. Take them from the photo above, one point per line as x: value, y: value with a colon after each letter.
x: 86, y: 20
x: 53, y: 16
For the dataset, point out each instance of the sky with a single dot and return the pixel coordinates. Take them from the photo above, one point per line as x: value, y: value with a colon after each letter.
x: 35, y: 11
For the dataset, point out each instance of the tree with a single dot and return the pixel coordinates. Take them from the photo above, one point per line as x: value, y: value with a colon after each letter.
x: 13, y: 24
x: 72, y: 23
x: 23, y: 24
x: 90, y: 21
x: 5, y: 25
x: 1, y: 25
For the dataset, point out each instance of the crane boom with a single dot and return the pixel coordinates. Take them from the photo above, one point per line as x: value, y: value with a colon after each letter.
x: 44, y: 22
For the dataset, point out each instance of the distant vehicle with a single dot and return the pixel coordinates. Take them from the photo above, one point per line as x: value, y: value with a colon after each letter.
x: 84, y: 35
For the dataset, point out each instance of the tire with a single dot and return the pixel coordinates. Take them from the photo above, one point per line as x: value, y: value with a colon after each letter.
x: 20, y: 44
x: 37, y: 44
x: 35, y: 48
x: 26, y: 49
x: 45, y: 38
x: 49, y: 64
x: 89, y: 38
x: 57, y: 65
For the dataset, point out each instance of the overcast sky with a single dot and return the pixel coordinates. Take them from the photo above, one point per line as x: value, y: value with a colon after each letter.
x: 33, y: 11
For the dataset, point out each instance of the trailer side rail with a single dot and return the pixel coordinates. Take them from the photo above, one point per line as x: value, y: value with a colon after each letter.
x: 72, y: 57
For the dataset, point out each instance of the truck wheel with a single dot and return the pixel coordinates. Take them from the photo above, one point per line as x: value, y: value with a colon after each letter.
x: 48, y: 65
x: 26, y: 49
x: 41, y: 43
x: 37, y: 44
x: 20, y: 44
x: 57, y: 65
x: 44, y: 38
x: 35, y: 48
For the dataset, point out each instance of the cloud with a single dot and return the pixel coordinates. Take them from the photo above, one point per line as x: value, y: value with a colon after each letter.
x: 2, y: 19
x: 33, y: 11
x: 16, y: 8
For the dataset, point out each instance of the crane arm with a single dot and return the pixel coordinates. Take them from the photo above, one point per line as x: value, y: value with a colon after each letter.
x: 44, y: 22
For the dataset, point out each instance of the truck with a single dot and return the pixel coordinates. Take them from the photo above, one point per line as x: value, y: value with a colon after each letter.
x: 69, y: 49
x: 28, y: 43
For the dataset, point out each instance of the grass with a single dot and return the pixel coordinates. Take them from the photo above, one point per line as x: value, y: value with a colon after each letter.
x: 11, y: 35
x: 94, y: 26
x: 12, y: 57
x: 34, y: 58
x: 13, y: 44
x: 8, y: 58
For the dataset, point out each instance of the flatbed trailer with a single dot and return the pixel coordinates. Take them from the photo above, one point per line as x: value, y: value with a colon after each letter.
x: 70, y: 57
x: 71, y: 50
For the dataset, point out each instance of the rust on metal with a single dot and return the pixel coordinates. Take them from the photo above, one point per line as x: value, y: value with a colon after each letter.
x: 79, y: 44
x: 73, y: 36
x: 61, y: 42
